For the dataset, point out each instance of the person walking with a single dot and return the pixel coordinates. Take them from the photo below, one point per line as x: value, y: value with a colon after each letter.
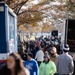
x: 14, y: 66
x: 47, y: 67
x: 39, y: 56
x: 31, y: 64
x: 53, y: 54
x: 65, y: 63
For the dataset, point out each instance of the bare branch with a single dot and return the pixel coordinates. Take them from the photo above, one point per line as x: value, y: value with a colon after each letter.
x: 21, y: 7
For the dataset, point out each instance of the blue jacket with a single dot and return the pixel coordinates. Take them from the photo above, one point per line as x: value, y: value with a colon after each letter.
x: 32, y: 66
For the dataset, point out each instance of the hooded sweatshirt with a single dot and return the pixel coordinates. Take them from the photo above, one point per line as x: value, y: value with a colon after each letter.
x: 47, y: 68
x: 32, y: 66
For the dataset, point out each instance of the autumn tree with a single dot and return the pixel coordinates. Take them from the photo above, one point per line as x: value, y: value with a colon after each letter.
x: 52, y: 12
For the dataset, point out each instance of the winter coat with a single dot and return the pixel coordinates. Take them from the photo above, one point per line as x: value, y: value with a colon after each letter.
x: 47, y: 68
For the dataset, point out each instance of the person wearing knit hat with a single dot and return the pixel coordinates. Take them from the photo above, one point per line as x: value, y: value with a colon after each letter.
x: 47, y: 67
x: 46, y: 56
x: 65, y: 65
x: 31, y: 64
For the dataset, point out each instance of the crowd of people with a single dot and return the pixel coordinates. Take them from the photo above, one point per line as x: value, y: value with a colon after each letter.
x: 39, y: 57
